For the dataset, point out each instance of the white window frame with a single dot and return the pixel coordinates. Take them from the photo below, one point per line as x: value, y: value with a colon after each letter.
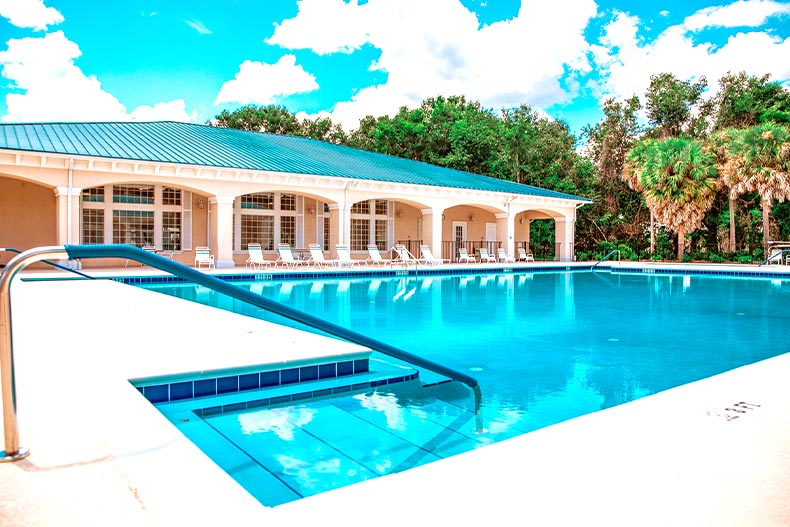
x: 108, y: 206
x: 277, y: 213
x: 371, y: 217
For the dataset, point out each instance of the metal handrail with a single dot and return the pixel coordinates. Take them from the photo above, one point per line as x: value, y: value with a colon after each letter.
x: 404, y: 261
x: 774, y: 255
x: 605, y: 257
x: 53, y: 264
x: 14, y: 451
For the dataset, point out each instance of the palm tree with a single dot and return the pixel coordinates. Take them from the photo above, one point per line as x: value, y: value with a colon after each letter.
x: 720, y: 143
x: 631, y: 170
x: 678, y: 179
x: 761, y: 163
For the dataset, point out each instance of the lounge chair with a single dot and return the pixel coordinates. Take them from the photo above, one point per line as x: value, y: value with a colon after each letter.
x: 429, y: 258
x: 463, y: 256
x: 485, y: 257
x: 344, y: 256
x: 285, y: 257
x: 256, y: 259
x: 203, y: 257
x: 505, y: 258
x: 374, y: 256
x: 317, y: 257
x: 524, y: 256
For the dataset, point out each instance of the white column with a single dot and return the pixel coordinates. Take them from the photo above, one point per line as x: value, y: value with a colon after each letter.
x: 506, y: 232
x: 432, y: 230
x: 340, y: 225
x: 67, y: 215
x: 221, y: 208
x: 564, y: 235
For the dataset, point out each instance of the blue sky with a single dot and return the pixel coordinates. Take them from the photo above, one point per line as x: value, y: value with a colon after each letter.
x: 72, y: 60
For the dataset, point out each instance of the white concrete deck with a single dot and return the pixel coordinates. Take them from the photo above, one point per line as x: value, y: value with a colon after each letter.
x: 102, y: 455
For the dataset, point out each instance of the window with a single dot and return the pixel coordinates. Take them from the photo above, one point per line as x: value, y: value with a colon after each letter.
x: 135, y: 227
x: 361, y: 207
x: 171, y: 230
x: 257, y: 229
x: 267, y: 218
x: 381, y: 234
x: 327, y: 231
x: 133, y: 194
x: 260, y: 200
x: 93, y: 226
x: 370, y: 227
x: 288, y: 230
x: 171, y: 196
x: 95, y: 194
x: 137, y: 214
x: 360, y: 234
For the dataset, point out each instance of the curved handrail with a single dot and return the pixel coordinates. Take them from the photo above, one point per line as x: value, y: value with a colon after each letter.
x: 606, y: 257
x: 53, y: 264
x: 14, y: 452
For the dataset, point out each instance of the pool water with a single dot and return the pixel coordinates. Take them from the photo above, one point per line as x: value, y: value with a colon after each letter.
x: 545, y: 347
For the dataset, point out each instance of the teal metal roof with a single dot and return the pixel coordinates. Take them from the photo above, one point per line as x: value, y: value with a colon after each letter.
x: 193, y: 144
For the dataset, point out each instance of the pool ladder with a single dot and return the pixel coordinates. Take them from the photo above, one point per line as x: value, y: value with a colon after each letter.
x: 606, y: 257
x: 13, y: 452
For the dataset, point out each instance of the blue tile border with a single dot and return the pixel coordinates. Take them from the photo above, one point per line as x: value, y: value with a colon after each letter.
x: 299, y: 396
x: 381, y: 273
x: 711, y: 272
x: 208, y: 386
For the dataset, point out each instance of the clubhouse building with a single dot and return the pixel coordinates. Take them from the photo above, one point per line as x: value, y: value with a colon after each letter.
x: 176, y: 186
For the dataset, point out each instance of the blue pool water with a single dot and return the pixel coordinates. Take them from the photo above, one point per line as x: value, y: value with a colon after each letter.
x: 545, y: 347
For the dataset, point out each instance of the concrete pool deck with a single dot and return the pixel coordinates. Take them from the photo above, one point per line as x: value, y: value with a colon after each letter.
x: 102, y: 455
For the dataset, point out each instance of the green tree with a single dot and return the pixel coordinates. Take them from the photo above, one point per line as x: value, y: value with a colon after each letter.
x: 761, y: 163
x: 678, y: 178
x: 746, y: 100
x: 675, y: 107
x: 272, y: 119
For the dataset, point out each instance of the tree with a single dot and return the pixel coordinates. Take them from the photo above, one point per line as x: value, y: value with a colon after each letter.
x: 675, y: 107
x: 761, y: 163
x: 745, y: 100
x: 272, y: 119
x: 678, y: 179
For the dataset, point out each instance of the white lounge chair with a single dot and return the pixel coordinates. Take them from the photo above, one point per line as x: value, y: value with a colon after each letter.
x: 524, y: 256
x: 285, y: 257
x: 344, y: 256
x: 429, y: 258
x: 374, y: 256
x: 256, y: 259
x: 485, y: 257
x: 505, y: 258
x: 203, y: 257
x: 317, y: 257
x: 464, y: 256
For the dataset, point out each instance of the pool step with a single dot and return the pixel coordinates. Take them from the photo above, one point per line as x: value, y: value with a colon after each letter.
x: 376, y: 373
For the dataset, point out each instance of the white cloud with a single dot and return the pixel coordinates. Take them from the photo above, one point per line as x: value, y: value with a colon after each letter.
x: 743, y: 13
x: 163, y: 111
x: 198, y: 26
x: 48, y: 86
x: 437, y: 47
x: 626, y: 63
x: 30, y: 14
x: 261, y: 83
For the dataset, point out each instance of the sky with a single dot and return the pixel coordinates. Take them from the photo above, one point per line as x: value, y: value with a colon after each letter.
x: 187, y: 60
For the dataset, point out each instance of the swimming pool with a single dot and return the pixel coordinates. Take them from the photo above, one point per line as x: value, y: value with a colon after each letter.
x: 545, y: 347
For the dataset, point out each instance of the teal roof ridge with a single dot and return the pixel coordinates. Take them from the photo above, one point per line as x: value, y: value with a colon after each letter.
x: 206, y: 145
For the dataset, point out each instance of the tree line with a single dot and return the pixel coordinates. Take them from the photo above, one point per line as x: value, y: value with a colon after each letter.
x: 681, y: 176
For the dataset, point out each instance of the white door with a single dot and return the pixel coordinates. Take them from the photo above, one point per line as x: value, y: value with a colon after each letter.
x: 490, y: 232
x: 459, y: 237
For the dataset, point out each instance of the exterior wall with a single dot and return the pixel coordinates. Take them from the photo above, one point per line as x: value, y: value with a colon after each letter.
x: 27, y: 216
x: 407, y: 220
